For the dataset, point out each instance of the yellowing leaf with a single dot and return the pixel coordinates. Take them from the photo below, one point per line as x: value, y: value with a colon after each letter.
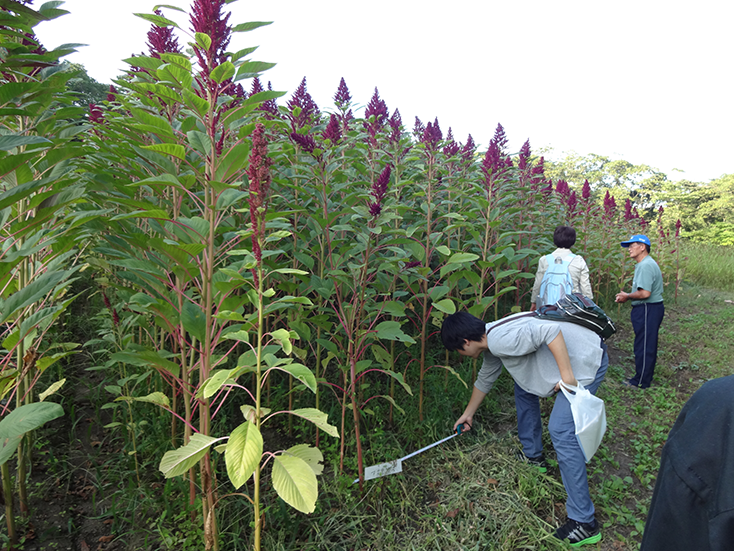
x: 295, y: 482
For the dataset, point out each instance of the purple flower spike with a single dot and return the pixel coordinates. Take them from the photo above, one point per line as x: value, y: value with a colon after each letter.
x: 628, y: 210
x: 333, y: 130
x: 207, y: 18
x: 256, y: 87
x: 586, y: 191
x: 259, y: 177
x: 111, y: 94
x: 396, y: 125
x: 677, y: 227
x: 562, y: 188
x: 496, y: 160
x: 524, y: 155
x: 467, y: 152
x: 451, y: 148
x: 95, y: 114
x: 342, y: 98
x: 309, y: 110
x: 572, y: 202
x: 418, y: 128
x: 376, y: 108
x: 161, y: 40
x: 307, y: 143
x: 378, y: 191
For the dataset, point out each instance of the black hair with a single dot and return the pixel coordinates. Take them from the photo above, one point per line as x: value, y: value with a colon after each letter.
x: 459, y: 327
x: 564, y: 237
x: 647, y: 247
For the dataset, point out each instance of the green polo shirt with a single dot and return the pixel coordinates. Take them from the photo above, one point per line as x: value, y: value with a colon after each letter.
x: 648, y: 277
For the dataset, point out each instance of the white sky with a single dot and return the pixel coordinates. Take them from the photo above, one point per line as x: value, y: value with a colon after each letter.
x: 649, y: 81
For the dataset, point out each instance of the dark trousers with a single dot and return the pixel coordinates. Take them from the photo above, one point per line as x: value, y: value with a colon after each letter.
x: 646, y: 319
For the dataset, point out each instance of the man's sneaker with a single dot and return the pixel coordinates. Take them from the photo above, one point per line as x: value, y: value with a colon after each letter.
x: 579, y: 533
x: 538, y: 462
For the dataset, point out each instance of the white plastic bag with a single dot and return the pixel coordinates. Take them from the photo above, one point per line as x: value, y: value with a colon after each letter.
x: 589, y: 416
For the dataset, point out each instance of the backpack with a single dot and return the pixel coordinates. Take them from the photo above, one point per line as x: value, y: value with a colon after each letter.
x: 556, y: 282
x: 580, y: 310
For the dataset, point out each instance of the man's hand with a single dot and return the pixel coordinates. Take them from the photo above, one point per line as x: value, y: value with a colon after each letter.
x: 621, y: 297
x: 557, y: 388
x: 466, y: 421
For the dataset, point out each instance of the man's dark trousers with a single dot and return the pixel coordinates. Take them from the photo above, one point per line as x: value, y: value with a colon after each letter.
x: 646, y: 319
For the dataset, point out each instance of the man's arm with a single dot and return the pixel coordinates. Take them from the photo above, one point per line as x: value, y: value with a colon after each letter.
x: 467, y: 418
x: 639, y: 294
x: 558, y: 348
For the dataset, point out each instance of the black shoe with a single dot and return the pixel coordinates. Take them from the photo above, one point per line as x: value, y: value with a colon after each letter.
x: 579, y: 533
x: 538, y: 462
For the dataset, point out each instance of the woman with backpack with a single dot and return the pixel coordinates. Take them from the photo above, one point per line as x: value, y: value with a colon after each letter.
x: 560, y: 272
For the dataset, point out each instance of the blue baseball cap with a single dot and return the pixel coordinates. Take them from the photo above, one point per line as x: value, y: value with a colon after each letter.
x: 636, y: 239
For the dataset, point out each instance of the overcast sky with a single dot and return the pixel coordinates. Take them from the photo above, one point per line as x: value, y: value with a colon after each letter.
x: 647, y: 81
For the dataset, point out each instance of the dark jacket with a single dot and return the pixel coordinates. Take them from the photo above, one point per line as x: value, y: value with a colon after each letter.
x: 692, y: 506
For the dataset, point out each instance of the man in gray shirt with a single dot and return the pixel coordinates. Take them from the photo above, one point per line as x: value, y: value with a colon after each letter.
x: 537, y: 354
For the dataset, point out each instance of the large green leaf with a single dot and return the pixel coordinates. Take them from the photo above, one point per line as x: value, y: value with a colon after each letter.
x: 157, y: 20
x: 390, y: 330
x: 302, y: 373
x: 446, y: 306
x: 244, y: 27
x: 9, y: 142
x: 295, y: 482
x: 147, y: 358
x: 318, y: 418
x: 223, y: 72
x: 177, y: 462
x: 175, y: 150
x: 194, y: 320
x: 157, y: 398
x: 199, y: 141
x: 244, y: 450
x: 310, y: 455
x: 22, y: 420
x: 31, y: 293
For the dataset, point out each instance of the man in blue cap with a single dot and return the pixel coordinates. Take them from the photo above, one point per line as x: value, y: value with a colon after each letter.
x: 647, y: 309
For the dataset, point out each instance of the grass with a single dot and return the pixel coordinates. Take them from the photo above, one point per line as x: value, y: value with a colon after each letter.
x: 709, y: 266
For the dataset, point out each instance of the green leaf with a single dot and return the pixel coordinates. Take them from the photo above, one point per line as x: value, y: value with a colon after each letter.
x: 392, y: 401
x: 144, y: 62
x: 462, y: 257
x: 394, y: 308
x: 222, y: 72
x: 295, y: 482
x: 194, y: 320
x: 290, y: 270
x: 444, y: 250
x: 318, y: 418
x: 51, y: 390
x: 310, y: 455
x: 145, y: 358
x: 21, y: 420
x: 251, y: 69
x: 157, y: 398
x: 244, y: 27
x: 200, y: 105
x: 179, y: 461
x: 199, y: 141
x: 244, y: 450
x: 157, y: 20
x: 446, y: 306
x: 9, y: 142
x: 390, y: 330
x: 454, y: 373
x: 172, y: 149
x: 215, y: 382
x: 302, y: 373
x: 399, y: 378
x: 282, y: 336
x: 203, y: 40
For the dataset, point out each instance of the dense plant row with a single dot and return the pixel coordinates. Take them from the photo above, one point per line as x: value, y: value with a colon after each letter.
x: 240, y: 245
